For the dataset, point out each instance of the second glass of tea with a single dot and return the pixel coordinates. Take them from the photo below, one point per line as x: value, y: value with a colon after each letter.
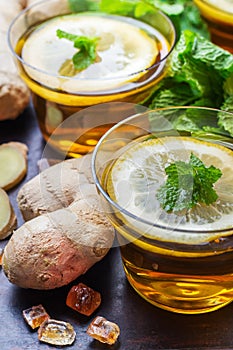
x: 176, y: 236
x: 120, y: 53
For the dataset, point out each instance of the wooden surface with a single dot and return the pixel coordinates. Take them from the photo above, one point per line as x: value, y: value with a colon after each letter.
x: 143, y: 326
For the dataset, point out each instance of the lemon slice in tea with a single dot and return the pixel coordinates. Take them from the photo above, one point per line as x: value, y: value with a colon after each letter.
x: 137, y: 174
x: 126, y: 48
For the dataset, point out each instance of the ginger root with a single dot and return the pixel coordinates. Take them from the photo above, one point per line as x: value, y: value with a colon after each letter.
x: 14, y: 94
x: 8, y: 220
x: 13, y: 160
x: 66, y: 233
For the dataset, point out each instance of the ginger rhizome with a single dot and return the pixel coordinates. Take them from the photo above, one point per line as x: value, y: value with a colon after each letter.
x: 65, y: 233
x: 14, y: 94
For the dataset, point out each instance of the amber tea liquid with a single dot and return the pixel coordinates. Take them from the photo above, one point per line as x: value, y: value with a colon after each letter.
x: 182, y: 284
x: 54, y: 106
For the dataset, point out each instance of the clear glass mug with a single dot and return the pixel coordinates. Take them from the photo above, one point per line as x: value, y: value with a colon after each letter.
x: 184, y: 269
x: 57, y: 97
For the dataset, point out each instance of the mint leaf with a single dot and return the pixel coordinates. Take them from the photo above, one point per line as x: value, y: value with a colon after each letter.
x: 226, y: 120
x: 87, y: 49
x: 188, y: 184
x: 184, y: 14
x: 120, y: 7
x: 171, y: 93
x: 175, y: 193
x: 61, y: 34
x: 191, y: 19
x: 84, y: 5
x: 87, y: 52
x: 132, y: 8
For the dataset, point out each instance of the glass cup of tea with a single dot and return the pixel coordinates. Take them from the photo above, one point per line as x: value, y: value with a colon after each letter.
x: 176, y: 240
x: 219, y: 18
x: 75, y: 55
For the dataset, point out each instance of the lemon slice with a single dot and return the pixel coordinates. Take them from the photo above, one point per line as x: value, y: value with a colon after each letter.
x: 126, y: 49
x: 226, y: 5
x: 138, y: 173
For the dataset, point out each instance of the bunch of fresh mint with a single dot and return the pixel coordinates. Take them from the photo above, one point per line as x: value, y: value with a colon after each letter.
x: 199, y: 74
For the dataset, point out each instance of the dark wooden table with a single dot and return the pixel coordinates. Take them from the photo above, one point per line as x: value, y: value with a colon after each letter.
x: 143, y: 326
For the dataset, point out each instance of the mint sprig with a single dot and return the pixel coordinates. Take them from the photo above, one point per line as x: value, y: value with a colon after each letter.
x: 86, y: 46
x: 188, y: 184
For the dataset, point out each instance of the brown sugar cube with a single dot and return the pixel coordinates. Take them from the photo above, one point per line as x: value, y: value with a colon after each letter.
x: 83, y: 299
x: 35, y: 316
x: 56, y: 332
x: 103, y: 330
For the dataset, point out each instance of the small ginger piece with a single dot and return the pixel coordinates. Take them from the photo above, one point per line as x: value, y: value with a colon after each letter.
x: 103, y: 330
x: 83, y: 299
x: 13, y: 160
x: 8, y: 220
x: 14, y: 94
x: 35, y: 316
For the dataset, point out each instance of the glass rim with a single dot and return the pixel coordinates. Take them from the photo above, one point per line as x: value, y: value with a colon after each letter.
x: 116, y: 205
x: 145, y: 70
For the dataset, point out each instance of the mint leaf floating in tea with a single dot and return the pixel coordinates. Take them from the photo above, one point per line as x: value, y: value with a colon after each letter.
x: 82, y: 59
x: 188, y: 184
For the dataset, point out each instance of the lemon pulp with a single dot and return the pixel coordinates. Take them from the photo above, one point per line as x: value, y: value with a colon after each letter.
x: 137, y: 174
x: 224, y: 5
x: 126, y: 49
